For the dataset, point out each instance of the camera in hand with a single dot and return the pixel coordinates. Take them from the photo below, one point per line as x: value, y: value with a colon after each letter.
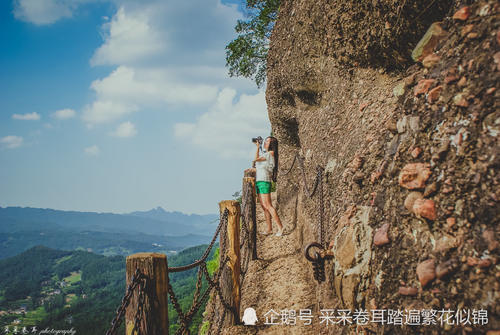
x: 257, y: 139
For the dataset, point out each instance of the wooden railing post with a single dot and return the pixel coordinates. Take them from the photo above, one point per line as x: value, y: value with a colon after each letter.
x: 248, y: 198
x: 230, y: 282
x: 155, y: 306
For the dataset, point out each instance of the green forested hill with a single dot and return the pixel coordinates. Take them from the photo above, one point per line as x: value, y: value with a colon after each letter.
x: 63, y: 289
x: 104, y: 243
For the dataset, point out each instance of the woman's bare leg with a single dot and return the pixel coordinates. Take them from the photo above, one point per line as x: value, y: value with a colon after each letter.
x: 267, y: 215
x: 266, y: 201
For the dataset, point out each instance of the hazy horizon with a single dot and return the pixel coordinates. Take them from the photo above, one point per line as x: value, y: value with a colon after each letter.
x: 123, y: 213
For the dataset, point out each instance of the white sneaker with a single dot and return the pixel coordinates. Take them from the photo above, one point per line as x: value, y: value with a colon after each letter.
x: 279, y: 233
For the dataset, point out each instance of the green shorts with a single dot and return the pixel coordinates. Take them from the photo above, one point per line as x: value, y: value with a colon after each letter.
x: 263, y: 187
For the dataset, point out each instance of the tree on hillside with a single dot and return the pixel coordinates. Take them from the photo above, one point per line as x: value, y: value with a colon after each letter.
x: 247, y: 54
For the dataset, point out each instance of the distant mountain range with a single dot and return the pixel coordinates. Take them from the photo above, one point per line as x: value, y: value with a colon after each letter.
x: 104, y: 233
x: 200, y: 224
x: 156, y: 221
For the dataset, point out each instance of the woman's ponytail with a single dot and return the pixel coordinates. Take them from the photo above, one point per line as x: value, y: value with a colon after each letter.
x: 273, y: 146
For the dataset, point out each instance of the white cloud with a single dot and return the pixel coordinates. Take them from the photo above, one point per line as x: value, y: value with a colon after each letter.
x: 42, y: 12
x: 102, y: 111
x: 127, y: 90
x: 170, y: 57
x: 92, y: 151
x: 125, y: 129
x: 11, y: 141
x: 27, y: 116
x: 150, y: 86
x: 184, y: 129
x: 64, y: 114
x: 166, y: 32
x: 229, y: 125
x: 128, y: 37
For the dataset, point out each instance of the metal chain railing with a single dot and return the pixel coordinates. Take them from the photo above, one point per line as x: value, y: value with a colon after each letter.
x: 318, y: 183
x: 138, y: 318
x: 291, y: 166
x: 198, y: 300
x: 137, y: 281
x: 321, y: 210
x: 318, y: 261
x: 205, y: 255
x: 248, y: 211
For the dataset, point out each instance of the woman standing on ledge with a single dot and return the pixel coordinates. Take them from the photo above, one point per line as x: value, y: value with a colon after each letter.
x: 267, y: 171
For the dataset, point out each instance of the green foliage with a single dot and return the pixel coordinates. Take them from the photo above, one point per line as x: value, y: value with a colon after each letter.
x: 108, y: 244
x: 237, y: 196
x: 38, y: 270
x: 184, y: 284
x: 55, y: 302
x: 22, y: 275
x: 246, y: 55
x: 204, y: 328
x: 213, y: 264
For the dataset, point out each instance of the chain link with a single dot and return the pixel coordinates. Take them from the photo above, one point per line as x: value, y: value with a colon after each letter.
x: 321, y: 206
x: 198, y: 285
x: 198, y: 301
x: 248, y: 214
x: 316, y: 180
x: 291, y: 166
x: 139, y: 280
x: 140, y: 308
x: 177, y: 308
x: 203, y: 258
x: 117, y: 320
x: 317, y: 186
x: 318, y: 261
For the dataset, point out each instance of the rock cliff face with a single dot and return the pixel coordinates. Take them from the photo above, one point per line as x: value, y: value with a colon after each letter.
x: 408, y: 138
x: 398, y: 103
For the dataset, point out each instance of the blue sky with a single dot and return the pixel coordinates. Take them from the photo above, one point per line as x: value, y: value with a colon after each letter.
x: 117, y: 106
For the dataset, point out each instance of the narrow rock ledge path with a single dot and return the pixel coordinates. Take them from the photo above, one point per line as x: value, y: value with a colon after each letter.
x: 280, y: 279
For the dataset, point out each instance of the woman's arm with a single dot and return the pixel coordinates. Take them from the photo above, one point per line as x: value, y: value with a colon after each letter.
x: 257, y: 152
x: 263, y: 158
x: 257, y: 158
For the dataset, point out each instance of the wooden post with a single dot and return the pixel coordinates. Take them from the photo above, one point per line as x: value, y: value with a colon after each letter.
x: 249, y: 173
x: 250, y: 212
x: 155, y: 307
x: 230, y: 283
x: 252, y: 173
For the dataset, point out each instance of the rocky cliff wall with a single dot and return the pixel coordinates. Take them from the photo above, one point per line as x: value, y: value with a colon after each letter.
x: 409, y: 142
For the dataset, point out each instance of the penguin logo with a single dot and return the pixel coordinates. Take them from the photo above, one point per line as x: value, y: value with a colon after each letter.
x: 249, y: 317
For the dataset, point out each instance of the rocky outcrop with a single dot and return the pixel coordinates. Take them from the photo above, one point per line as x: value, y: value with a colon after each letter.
x: 409, y: 146
x: 398, y: 102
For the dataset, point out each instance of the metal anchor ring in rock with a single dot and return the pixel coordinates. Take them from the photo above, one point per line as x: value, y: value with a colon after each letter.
x: 352, y: 253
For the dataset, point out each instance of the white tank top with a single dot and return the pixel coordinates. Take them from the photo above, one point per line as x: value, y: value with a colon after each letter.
x: 265, y: 168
